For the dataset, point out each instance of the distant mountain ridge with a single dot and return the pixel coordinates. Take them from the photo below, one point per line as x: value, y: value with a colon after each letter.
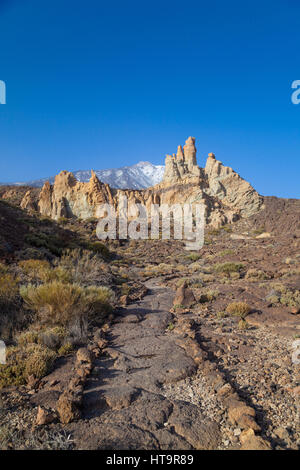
x: 142, y: 175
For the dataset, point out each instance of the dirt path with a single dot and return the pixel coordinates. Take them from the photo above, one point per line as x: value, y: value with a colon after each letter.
x: 124, y: 407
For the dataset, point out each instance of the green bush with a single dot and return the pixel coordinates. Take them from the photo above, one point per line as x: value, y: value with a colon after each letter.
x: 240, y: 309
x: 22, y: 362
x: 230, y: 267
x: 194, y: 256
x: 58, y: 303
x: 99, y: 248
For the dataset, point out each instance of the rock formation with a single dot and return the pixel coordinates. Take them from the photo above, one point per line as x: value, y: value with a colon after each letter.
x: 227, y: 185
x: 29, y: 202
x: 225, y: 194
x: 68, y: 197
x: 182, y: 165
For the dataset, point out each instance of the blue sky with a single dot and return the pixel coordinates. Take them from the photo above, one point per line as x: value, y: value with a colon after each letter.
x: 99, y: 84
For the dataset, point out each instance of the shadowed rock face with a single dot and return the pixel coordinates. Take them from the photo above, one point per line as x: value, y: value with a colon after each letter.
x: 224, y: 193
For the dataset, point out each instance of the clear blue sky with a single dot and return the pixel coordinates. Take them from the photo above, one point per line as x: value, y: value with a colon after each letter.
x: 94, y: 84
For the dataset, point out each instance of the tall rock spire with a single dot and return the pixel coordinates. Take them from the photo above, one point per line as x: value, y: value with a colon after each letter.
x: 184, y: 164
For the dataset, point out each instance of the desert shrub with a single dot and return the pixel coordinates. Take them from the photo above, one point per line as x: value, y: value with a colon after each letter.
x: 49, y: 242
x: 208, y: 295
x: 226, y: 252
x: 221, y: 314
x: 11, y: 315
x: 8, y: 291
x: 11, y: 375
x: 227, y: 268
x: 35, y: 269
x: 286, y: 296
x: 32, y: 359
x: 57, y: 303
x: 170, y: 326
x: 65, y: 349
x: 182, y: 281
x: 243, y: 325
x: 194, y: 267
x: 27, y: 337
x: 30, y: 253
x: 96, y: 301
x: 3, y: 269
x: 58, y: 274
x: 54, y: 302
x: 52, y: 338
x: 180, y: 267
x: 178, y: 306
x: 161, y: 268
x: 289, y: 272
x: 256, y: 275
x: 194, y: 256
x: 39, y: 361
x: 41, y: 270
x: 240, y: 309
x: 99, y: 248
x: 206, y: 277
x: 84, y: 267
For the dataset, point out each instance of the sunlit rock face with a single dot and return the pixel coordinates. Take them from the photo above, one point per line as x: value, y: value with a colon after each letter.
x: 224, y: 193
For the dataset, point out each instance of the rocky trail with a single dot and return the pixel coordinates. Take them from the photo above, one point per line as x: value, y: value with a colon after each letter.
x: 158, y: 386
x: 123, y: 405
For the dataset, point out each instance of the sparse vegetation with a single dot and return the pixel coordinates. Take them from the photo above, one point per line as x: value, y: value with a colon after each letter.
x: 243, y: 324
x: 257, y: 275
x: 58, y: 303
x: 239, y: 309
x: 285, y: 296
x: 194, y: 256
x: 208, y: 295
x: 227, y: 268
x: 226, y: 252
x: 22, y: 362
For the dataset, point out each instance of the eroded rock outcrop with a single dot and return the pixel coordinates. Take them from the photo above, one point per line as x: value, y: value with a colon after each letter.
x: 227, y: 185
x: 68, y: 197
x: 183, y: 164
x: 29, y: 202
x: 225, y: 195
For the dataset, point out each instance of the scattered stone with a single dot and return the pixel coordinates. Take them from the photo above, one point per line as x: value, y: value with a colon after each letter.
x: 84, y: 355
x: 44, y: 416
x: 68, y: 408
x: 263, y: 235
x: 184, y: 297
x: 255, y: 443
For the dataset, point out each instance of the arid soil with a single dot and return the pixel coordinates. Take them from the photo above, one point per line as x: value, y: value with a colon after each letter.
x: 174, y: 367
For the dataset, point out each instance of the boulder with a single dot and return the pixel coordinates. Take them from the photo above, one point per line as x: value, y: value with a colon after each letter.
x: 44, y: 416
x: 184, y: 297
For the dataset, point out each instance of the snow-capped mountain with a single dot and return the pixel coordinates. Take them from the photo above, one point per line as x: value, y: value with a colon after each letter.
x: 138, y: 176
